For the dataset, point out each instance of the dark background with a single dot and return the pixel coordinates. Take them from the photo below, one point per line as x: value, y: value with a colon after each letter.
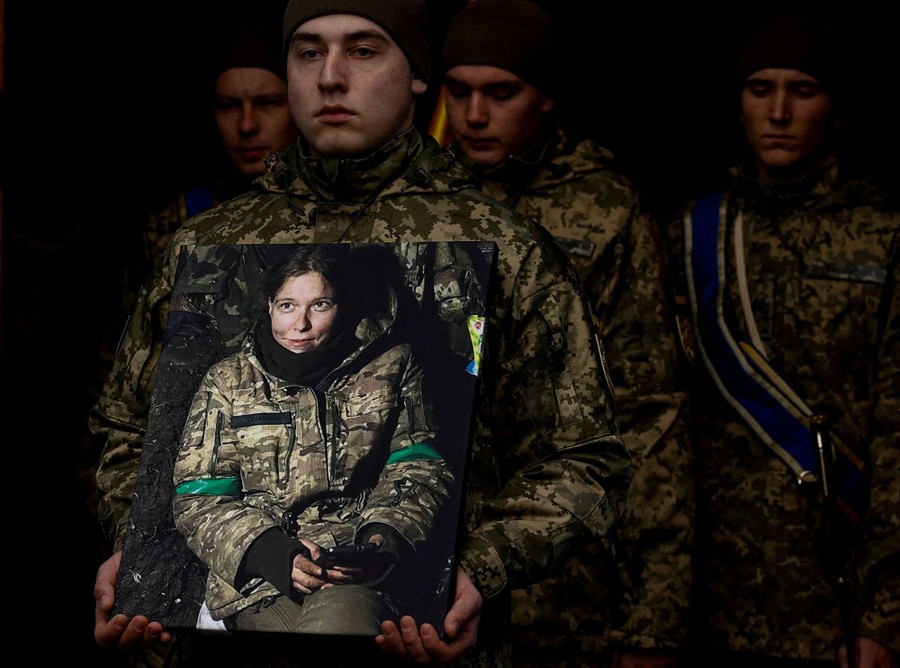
x: 104, y: 110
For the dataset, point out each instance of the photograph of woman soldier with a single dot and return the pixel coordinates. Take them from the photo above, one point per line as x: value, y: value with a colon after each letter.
x: 315, y: 434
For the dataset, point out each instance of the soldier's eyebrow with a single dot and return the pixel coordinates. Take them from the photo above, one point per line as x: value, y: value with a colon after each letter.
x: 363, y: 35
x: 510, y: 83
x: 300, y: 36
x: 759, y: 81
x: 507, y: 86
x: 357, y: 36
x: 805, y: 83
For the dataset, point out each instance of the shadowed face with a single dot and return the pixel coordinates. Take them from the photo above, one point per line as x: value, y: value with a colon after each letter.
x: 787, y: 118
x: 253, y: 117
x: 493, y: 113
x: 303, y: 312
x: 351, y: 87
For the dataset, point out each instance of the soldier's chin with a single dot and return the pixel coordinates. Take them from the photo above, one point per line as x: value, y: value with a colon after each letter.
x: 487, y: 157
x: 341, y: 141
x: 785, y: 165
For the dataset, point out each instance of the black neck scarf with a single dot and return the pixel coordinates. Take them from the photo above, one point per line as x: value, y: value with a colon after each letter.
x: 307, y: 368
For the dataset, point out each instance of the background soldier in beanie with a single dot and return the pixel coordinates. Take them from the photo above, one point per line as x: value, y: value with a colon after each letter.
x: 548, y: 468
x: 502, y: 114
x: 790, y: 281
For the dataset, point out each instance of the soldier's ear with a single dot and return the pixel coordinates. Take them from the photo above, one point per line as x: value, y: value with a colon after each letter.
x: 418, y: 86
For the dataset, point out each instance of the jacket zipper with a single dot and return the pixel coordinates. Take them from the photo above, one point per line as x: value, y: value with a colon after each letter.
x: 292, y: 439
x: 217, y: 442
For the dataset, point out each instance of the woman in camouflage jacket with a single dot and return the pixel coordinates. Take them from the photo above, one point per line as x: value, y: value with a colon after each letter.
x: 317, y: 433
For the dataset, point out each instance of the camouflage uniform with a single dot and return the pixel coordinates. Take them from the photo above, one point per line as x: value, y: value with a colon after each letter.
x: 822, y: 281
x: 235, y: 435
x: 570, y: 188
x: 547, y: 468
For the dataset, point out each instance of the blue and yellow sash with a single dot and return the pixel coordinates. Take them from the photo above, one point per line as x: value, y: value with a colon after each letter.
x: 774, y: 412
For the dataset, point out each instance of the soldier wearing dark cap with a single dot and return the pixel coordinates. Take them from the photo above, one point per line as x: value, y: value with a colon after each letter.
x: 548, y: 468
x: 500, y: 70
x: 790, y: 289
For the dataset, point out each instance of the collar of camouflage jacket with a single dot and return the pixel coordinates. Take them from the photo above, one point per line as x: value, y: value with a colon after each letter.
x: 409, y: 162
x: 818, y: 188
x: 558, y: 158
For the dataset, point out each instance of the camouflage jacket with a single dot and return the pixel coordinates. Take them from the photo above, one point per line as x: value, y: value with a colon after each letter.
x: 822, y: 281
x: 240, y: 470
x: 596, y: 215
x: 547, y: 468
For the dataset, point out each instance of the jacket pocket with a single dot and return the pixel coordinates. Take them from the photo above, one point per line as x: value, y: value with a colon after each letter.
x: 261, y: 439
x: 363, y: 425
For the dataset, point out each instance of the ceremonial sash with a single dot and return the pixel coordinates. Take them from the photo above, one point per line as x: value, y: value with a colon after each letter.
x: 775, y: 413
x: 197, y: 200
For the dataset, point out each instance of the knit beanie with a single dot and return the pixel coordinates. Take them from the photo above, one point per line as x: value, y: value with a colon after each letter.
x: 513, y: 35
x: 793, y: 42
x: 404, y: 21
x: 253, y: 45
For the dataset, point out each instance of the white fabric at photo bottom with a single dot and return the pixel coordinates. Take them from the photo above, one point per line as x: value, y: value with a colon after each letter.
x: 205, y: 622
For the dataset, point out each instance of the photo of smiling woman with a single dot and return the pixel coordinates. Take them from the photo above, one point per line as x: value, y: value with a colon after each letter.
x: 316, y: 434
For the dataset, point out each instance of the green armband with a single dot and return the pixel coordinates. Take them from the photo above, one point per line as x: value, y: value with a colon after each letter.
x: 414, y: 453
x: 211, y: 487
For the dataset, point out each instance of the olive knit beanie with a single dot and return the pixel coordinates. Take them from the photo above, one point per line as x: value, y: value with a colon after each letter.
x: 404, y: 21
x: 254, y: 45
x: 513, y: 35
x: 792, y: 42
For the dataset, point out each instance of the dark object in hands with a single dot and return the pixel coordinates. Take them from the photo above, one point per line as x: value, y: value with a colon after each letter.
x: 347, y: 555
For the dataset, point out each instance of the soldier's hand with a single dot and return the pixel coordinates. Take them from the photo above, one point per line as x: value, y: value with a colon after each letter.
x: 869, y: 654
x: 120, y: 632
x: 422, y: 644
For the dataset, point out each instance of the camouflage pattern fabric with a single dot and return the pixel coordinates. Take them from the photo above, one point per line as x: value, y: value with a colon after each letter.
x: 639, y: 599
x: 822, y: 278
x: 236, y: 431
x: 548, y: 469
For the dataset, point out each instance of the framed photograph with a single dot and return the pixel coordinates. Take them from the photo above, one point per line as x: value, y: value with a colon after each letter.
x: 304, y: 465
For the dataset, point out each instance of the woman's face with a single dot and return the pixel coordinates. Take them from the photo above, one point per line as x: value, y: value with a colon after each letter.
x: 303, y: 312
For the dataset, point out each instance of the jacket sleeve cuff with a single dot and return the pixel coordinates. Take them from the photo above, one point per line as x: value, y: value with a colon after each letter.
x: 481, y: 562
x: 394, y: 544
x: 270, y: 557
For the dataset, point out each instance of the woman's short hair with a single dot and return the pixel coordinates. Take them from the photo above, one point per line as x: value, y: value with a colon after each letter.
x: 329, y: 260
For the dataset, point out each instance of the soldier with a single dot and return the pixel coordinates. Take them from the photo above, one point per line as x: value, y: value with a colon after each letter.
x: 790, y: 287
x: 502, y: 113
x: 548, y: 468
